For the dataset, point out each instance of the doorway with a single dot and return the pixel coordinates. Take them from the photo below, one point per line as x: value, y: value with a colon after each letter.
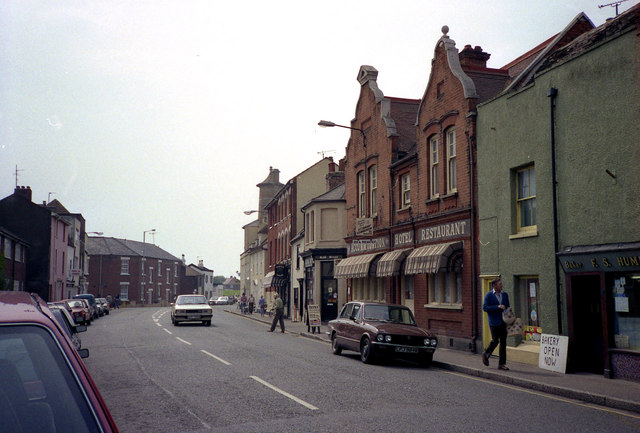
x: 329, y: 309
x: 586, y: 350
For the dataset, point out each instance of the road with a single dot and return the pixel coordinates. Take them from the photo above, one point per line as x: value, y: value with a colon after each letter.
x: 236, y: 377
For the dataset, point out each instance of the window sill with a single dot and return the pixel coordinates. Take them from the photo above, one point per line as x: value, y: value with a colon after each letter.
x: 437, y: 306
x: 522, y: 235
x: 451, y: 194
x: 432, y: 200
x: 404, y: 209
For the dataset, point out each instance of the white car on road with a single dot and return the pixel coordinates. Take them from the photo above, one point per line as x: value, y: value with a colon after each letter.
x: 191, y: 308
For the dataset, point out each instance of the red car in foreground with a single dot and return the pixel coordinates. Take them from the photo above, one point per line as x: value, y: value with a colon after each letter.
x: 44, y: 385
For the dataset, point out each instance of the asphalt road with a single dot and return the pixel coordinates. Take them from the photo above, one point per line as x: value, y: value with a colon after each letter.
x: 236, y: 377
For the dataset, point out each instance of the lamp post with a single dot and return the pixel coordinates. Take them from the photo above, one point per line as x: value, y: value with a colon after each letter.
x: 100, y: 272
x: 144, y: 233
x: 249, y: 212
x: 330, y: 124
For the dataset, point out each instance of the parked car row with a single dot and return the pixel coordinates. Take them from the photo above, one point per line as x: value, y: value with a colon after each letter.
x: 44, y: 384
x: 221, y: 300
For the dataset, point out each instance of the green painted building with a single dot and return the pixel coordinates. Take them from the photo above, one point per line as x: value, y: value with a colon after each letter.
x: 559, y: 193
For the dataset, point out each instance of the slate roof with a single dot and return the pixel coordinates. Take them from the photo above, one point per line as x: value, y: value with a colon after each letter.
x: 335, y: 194
x: 105, y: 246
x: 625, y: 21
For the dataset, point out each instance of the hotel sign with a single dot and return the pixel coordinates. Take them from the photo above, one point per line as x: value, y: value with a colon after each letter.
x: 403, y: 239
x: 454, y: 229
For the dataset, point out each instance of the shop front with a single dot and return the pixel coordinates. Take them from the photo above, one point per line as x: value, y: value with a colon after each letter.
x: 320, y: 273
x: 603, y: 308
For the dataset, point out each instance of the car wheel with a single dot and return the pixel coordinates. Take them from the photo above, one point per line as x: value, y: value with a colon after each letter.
x: 425, y: 359
x: 335, y: 348
x: 176, y: 323
x: 207, y: 323
x: 366, y: 351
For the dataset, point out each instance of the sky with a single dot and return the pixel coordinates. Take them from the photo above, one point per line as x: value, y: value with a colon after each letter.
x: 165, y: 114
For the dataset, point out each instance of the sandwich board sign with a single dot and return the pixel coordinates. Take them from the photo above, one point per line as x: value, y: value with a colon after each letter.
x: 553, y: 352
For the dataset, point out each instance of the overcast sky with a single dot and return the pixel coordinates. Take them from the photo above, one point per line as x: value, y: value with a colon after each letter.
x: 166, y: 114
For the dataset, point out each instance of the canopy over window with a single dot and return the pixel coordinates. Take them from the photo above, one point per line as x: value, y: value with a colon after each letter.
x: 355, y: 266
x: 431, y: 258
x: 389, y: 264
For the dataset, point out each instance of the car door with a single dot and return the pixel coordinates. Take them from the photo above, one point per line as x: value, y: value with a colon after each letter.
x: 352, y: 329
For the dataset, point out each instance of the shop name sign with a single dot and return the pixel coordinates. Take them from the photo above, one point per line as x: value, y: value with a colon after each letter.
x: 553, y: 352
x: 444, y: 231
x: 601, y: 262
x: 362, y: 245
x: 403, y: 238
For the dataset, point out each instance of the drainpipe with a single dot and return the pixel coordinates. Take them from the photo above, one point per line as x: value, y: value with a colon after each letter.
x: 552, y: 94
x: 474, y: 277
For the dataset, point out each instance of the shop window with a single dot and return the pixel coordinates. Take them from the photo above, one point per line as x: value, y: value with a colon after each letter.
x: 526, y: 199
x: 451, y: 160
x: 445, y: 288
x: 529, y: 290
x: 433, y: 163
x: 625, y: 292
x: 408, y: 287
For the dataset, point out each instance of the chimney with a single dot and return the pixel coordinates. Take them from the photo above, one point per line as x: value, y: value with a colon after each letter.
x: 474, y: 57
x: 23, y: 191
x: 334, y: 179
x: 201, y: 263
x: 184, y: 262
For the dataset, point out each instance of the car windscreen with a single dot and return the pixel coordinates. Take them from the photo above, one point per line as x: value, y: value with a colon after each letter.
x: 38, y: 388
x: 388, y: 313
x: 187, y: 300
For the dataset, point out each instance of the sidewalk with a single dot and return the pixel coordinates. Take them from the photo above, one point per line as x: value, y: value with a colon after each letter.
x: 587, y: 387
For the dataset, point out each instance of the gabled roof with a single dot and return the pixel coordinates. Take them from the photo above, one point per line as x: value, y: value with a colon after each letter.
x: 579, y: 25
x: 200, y: 268
x: 624, y: 22
x: 335, y: 194
x: 123, y: 247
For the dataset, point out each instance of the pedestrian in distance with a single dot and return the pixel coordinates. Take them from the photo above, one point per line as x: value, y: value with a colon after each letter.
x: 243, y: 303
x: 278, y: 306
x: 496, y: 301
x: 252, y: 303
x: 262, y: 304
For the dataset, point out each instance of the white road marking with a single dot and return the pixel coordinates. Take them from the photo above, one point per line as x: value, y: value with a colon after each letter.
x: 215, y: 357
x: 167, y: 331
x: 159, y: 324
x: 286, y: 394
x: 184, y: 341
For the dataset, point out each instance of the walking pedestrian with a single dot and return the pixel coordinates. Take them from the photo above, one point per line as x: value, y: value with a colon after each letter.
x: 495, y: 303
x: 243, y: 303
x: 262, y: 304
x: 278, y: 306
x: 252, y: 303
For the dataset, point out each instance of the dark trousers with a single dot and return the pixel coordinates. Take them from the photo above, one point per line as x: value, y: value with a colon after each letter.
x: 498, y: 335
x: 278, y: 317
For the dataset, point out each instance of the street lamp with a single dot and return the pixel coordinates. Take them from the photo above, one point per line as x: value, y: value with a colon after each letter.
x: 249, y: 212
x: 144, y: 233
x: 330, y: 124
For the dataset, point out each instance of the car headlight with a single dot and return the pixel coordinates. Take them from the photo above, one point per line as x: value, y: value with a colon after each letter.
x: 434, y: 342
x: 387, y: 338
x: 380, y: 337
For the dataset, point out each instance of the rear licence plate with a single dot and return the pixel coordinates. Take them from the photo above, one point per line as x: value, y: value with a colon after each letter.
x: 407, y: 349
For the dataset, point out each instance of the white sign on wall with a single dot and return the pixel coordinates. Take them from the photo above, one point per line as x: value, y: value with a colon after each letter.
x: 553, y: 352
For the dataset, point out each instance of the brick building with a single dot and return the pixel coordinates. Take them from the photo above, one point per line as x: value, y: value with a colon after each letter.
x: 137, y: 272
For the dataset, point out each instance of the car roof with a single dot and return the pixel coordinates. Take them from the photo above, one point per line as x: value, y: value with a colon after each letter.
x: 22, y: 306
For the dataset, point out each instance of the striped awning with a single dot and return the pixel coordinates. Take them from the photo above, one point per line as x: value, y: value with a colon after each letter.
x: 355, y: 266
x: 267, y: 281
x: 430, y: 258
x: 389, y: 264
x: 273, y: 280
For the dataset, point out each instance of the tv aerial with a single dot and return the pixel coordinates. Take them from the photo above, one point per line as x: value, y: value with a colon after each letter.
x: 616, y: 4
x: 322, y: 152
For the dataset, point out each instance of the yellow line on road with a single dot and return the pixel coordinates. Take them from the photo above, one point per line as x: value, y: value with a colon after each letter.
x: 549, y: 396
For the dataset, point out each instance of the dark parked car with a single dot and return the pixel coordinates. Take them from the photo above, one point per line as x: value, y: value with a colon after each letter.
x: 44, y: 384
x: 376, y: 329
